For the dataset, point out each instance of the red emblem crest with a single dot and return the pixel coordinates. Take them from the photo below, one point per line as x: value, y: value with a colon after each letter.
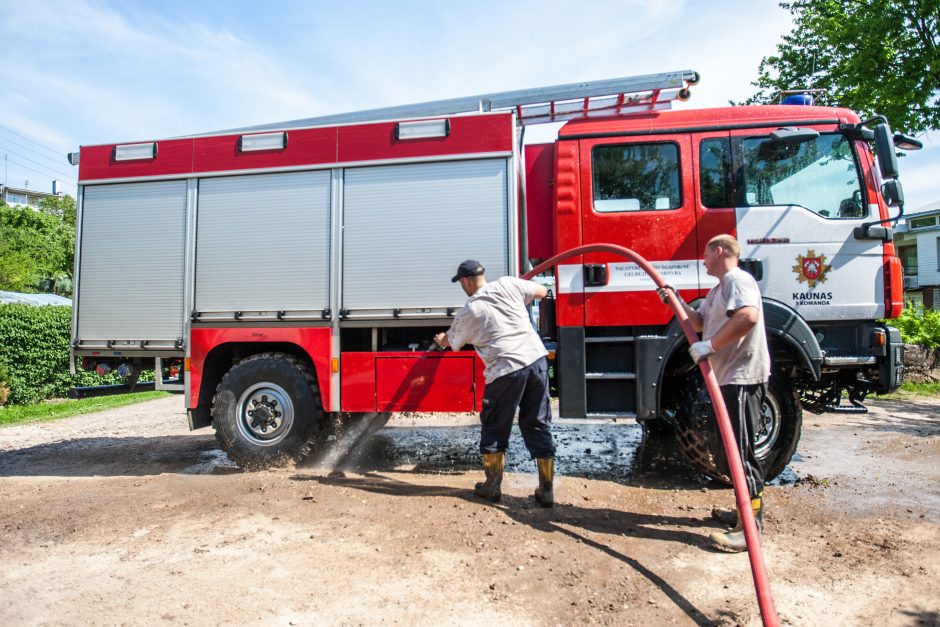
x: 811, y: 268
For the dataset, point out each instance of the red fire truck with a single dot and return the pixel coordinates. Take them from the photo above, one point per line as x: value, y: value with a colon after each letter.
x: 297, y: 271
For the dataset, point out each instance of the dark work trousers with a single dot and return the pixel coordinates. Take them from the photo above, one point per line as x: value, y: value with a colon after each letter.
x: 526, y: 389
x: 744, y: 408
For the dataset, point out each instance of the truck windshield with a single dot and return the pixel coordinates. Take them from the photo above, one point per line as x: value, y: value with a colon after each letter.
x: 821, y: 175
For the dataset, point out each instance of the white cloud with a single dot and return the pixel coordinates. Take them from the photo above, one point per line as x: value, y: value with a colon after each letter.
x: 86, y: 72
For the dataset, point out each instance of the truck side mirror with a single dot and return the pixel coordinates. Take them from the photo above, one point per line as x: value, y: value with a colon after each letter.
x: 893, y: 192
x: 903, y: 142
x: 884, y: 145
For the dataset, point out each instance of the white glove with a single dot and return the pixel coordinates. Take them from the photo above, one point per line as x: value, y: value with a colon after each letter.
x: 701, y: 350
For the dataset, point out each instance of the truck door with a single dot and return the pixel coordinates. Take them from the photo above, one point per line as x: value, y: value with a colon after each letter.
x: 638, y: 192
x: 797, y: 210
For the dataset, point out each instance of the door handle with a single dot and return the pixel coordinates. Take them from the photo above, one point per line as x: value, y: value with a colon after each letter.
x: 754, y: 267
x: 595, y: 274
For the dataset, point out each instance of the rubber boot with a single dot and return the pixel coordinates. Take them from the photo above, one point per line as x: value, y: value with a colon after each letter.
x: 729, y: 517
x: 545, y: 493
x: 493, y: 464
x: 733, y: 541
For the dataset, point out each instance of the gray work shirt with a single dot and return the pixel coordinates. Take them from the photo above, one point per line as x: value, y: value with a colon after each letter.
x: 746, y: 361
x: 496, y: 322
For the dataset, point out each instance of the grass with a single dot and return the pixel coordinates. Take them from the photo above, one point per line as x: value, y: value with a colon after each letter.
x: 909, y: 388
x: 53, y: 410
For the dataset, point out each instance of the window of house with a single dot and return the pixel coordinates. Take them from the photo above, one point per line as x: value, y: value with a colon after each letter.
x: 636, y: 177
x: 908, y: 257
x: 923, y: 223
x: 715, y: 172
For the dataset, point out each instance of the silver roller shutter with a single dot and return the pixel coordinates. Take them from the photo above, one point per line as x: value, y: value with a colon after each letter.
x: 131, y: 272
x: 263, y: 243
x: 407, y: 227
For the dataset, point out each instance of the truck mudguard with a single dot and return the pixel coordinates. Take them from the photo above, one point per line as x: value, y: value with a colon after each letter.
x: 783, y: 322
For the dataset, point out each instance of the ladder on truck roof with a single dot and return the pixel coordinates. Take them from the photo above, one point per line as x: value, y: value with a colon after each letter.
x: 539, y: 105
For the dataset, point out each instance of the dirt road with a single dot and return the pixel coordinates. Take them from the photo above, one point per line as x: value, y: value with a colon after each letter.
x: 125, y: 517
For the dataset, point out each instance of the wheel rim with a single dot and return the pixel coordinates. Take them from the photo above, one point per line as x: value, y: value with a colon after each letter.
x: 768, y: 428
x: 265, y: 414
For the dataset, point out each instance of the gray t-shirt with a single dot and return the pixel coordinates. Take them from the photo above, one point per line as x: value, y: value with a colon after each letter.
x: 496, y: 322
x: 746, y: 361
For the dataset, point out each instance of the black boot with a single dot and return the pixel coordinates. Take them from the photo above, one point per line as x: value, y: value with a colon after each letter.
x: 545, y: 494
x: 493, y: 464
x: 733, y: 541
x: 729, y: 517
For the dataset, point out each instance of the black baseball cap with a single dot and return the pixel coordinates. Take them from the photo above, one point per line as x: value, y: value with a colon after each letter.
x: 470, y: 267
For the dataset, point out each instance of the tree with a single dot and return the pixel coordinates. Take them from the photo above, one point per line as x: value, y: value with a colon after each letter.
x: 878, y: 57
x: 37, y: 244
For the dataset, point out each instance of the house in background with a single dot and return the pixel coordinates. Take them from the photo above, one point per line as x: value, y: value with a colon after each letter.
x: 24, y: 197
x: 917, y: 242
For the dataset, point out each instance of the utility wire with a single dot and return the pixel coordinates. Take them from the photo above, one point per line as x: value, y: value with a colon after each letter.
x: 43, y: 165
x: 52, y: 150
x: 22, y: 165
x: 38, y: 154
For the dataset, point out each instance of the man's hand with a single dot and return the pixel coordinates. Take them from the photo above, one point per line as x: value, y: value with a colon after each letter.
x: 441, y: 340
x: 663, y: 293
x: 701, y: 350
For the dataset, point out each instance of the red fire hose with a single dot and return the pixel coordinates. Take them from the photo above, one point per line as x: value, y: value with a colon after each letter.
x: 742, y: 497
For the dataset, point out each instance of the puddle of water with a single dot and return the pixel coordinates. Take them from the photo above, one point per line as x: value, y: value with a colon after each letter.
x: 617, y: 453
x: 212, y: 461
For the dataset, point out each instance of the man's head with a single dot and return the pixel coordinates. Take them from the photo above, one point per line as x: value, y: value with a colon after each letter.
x: 470, y: 276
x: 721, y: 255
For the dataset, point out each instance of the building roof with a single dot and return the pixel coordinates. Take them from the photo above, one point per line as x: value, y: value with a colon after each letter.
x: 36, y: 300
x: 932, y: 209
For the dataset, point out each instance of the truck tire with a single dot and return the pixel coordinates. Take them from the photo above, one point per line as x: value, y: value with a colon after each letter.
x: 267, y: 411
x: 775, y: 442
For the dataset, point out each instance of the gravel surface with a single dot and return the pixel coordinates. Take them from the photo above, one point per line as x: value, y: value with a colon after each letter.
x: 126, y: 517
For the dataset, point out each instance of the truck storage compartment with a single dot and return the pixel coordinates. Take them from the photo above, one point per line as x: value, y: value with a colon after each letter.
x: 407, y: 227
x: 412, y: 381
x: 263, y: 245
x: 131, y: 264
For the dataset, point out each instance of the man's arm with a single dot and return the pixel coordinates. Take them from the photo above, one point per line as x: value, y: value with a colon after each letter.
x: 460, y: 331
x: 738, y: 324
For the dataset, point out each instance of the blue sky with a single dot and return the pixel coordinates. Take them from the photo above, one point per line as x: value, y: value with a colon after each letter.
x: 86, y: 72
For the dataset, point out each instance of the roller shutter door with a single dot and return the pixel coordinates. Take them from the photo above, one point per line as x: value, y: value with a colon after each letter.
x: 131, y: 262
x: 407, y: 227
x: 263, y: 243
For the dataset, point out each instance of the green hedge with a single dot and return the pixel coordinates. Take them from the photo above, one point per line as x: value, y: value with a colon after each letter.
x: 918, y: 325
x: 34, y: 353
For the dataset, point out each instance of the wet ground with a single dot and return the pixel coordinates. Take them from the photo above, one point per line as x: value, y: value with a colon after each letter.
x: 125, y: 517
x: 593, y: 451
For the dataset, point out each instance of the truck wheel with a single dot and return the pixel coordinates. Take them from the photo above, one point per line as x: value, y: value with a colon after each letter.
x: 267, y: 411
x: 774, y: 444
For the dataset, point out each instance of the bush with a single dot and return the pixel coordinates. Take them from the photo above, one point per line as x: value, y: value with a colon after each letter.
x: 34, y: 352
x: 918, y: 326
x: 4, y: 389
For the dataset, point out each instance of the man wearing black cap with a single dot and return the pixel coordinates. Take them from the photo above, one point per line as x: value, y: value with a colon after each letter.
x: 496, y: 322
